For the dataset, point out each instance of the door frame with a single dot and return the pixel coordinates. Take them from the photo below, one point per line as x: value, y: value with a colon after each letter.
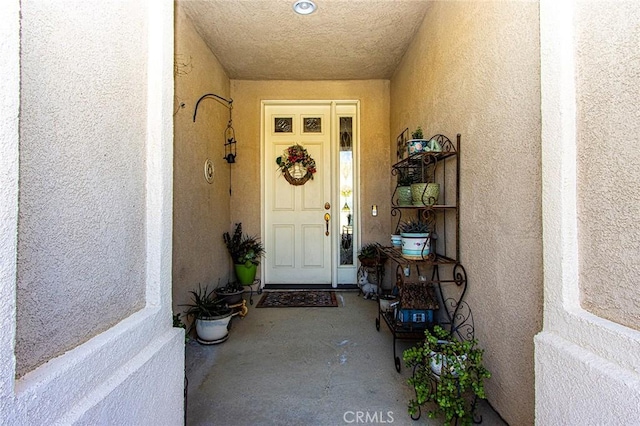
x: 335, y: 190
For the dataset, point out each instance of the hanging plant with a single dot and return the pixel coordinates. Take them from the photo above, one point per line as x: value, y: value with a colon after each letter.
x: 296, y: 165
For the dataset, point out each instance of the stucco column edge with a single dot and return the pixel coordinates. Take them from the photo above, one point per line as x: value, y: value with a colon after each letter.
x: 562, y: 312
x: 159, y: 150
x: 560, y: 241
x: 9, y: 164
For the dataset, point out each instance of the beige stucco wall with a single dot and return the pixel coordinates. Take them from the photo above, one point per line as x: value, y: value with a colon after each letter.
x: 374, y: 149
x: 200, y: 209
x: 608, y: 136
x: 95, y: 163
x: 81, y: 244
x: 474, y: 68
x: 587, y: 362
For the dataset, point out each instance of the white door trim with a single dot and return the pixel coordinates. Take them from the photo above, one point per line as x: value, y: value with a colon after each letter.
x: 335, y: 191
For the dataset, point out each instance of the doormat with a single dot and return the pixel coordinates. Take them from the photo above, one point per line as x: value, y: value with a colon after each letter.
x: 298, y: 299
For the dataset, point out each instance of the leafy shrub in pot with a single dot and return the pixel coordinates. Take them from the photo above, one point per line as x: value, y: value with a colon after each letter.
x: 459, y: 382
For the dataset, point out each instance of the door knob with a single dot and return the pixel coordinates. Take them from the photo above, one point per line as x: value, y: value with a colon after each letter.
x: 327, y: 218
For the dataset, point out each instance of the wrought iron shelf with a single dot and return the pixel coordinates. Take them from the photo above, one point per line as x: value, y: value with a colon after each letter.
x: 453, y: 313
x: 395, y: 254
x: 432, y: 207
x: 445, y: 299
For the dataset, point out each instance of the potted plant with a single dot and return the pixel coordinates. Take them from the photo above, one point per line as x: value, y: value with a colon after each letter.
x: 417, y: 143
x: 210, y: 314
x: 403, y: 189
x: 246, y: 252
x: 425, y: 193
x: 231, y: 293
x: 369, y: 255
x: 417, y: 133
x: 415, y: 239
x: 448, y: 373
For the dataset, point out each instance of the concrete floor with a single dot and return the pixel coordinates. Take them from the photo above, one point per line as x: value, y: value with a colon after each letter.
x: 303, y: 366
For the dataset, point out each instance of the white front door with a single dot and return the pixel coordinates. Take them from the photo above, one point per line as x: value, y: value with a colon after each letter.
x: 298, y: 240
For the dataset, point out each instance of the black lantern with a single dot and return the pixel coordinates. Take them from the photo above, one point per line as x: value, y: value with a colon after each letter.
x: 230, y: 144
x: 229, y: 133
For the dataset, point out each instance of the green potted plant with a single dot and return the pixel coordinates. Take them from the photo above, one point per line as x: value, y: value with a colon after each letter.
x: 369, y: 255
x: 246, y: 251
x: 417, y: 134
x: 403, y: 189
x: 415, y: 239
x: 449, y: 373
x: 210, y: 314
x: 417, y: 143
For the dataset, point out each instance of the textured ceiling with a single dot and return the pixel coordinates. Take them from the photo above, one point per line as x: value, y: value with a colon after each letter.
x: 342, y: 40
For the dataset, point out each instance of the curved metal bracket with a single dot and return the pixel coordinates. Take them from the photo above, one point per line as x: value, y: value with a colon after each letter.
x: 217, y: 97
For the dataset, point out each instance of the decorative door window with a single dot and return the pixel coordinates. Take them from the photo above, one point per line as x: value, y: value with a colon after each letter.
x: 312, y: 125
x: 283, y: 125
x: 346, y: 191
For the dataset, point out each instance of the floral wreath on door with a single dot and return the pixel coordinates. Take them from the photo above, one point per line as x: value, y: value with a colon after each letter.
x: 296, y: 165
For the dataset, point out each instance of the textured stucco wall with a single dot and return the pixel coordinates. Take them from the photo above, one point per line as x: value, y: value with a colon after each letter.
x: 588, y: 366
x: 132, y: 372
x: 9, y: 131
x: 200, y: 209
x: 473, y: 69
x: 374, y: 148
x: 608, y: 134
x: 81, y: 241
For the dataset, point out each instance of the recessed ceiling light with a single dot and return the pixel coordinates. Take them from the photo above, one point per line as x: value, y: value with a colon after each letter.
x: 304, y: 7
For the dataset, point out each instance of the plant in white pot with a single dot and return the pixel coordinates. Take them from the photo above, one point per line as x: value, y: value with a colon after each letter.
x: 210, y: 314
x: 415, y: 239
x: 449, y: 373
x: 246, y: 251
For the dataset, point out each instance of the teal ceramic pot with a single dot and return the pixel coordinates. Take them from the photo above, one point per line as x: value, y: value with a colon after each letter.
x: 415, y: 246
x: 404, y: 195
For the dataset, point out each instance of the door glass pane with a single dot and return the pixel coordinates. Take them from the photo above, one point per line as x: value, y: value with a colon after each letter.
x: 283, y: 124
x: 346, y: 191
x: 313, y: 125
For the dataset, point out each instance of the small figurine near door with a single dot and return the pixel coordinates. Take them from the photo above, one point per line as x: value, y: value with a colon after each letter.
x: 371, y: 262
x: 369, y: 290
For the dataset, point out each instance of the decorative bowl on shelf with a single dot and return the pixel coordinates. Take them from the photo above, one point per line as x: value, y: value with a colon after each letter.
x: 417, y: 145
x: 425, y: 194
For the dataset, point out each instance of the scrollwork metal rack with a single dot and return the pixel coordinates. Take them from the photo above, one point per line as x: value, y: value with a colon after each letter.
x: 429, y: 272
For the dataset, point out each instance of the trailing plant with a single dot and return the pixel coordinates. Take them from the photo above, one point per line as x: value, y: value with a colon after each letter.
x: 414, y: 227
x: 206, y: 304
x: 460, y: 382
x: 244, y: 249
x: 417, y: 133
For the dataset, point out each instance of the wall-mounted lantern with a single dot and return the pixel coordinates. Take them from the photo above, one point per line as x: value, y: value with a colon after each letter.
x: 229, y: 133
x: 230, y: 144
